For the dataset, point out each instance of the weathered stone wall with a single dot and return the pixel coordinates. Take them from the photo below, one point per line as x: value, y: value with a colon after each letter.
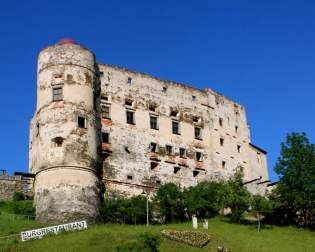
x: 128, y: 157
x: 64, y: 156
x: 9, y: 185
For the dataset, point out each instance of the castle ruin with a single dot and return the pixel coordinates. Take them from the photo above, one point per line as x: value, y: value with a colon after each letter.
x: 100, y: 128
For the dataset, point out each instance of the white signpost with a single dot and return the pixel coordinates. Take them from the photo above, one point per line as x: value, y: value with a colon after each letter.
x: 39, y: 233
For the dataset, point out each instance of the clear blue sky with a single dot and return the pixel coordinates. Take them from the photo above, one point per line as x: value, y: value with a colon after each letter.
x: 259, y: 53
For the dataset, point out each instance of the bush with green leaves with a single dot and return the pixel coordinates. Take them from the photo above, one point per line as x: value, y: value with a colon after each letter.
x: 125, y: 210
x: 203, y: 200
x: 169, y: 199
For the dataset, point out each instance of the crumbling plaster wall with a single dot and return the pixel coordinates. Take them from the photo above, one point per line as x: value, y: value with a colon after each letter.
x: 207, y: 105
x: 9, y: 185
x: 66, y: 185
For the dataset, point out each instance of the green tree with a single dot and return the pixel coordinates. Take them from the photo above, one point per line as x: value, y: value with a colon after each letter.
x: 203, y: 199
x: 260, y: 206
x: 235, y: 196
x: 169, y: 199
x: 296, y: 188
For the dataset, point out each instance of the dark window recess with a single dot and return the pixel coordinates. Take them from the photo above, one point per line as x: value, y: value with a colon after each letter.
x: 223, y: 164
x: 175, y: 127
x: 193, y: 97
x: 174, y: 113
x: 169, y: 149
x: 128, y: 102
x: 81, y: 122
x: 238, y: 148
x: 129, y: 177
x: 105, y: 137
x: 57, y: 94
x: 129, y: 80
x: 106, y: 112
x: 182, y: 153
x: 104, y: 98
x: 197, y: 133
x: 221, y: 141
x: 158, y: 181
x: 130, y: 117
x: 153, y: 122
x: 164, y: 89
x: 195, y: 119
x: 153, y: 147
x: 221, y: 121
x: 195, y: 173
x: 37, y: 129
x: 176, y: 170
x: 152, y: 107
x: 154, y: 165
x: 236, y: 129
x: 199, y: 156
x: 58, y: 141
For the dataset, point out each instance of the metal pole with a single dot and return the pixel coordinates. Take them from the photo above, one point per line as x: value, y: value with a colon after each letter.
x: 147, y: 210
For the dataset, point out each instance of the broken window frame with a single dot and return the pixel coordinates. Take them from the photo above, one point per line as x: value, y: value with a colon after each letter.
x: 169, y: 149
x: 175, y: 127
x: 57, y: 93
x: 106, y: 112
x: 182, y: 153
x: 130, y: 117
x: 154, y: 122
x: 105, y: 137
x: 198, y: 135
x: 82, y: 122
x: 154, y: 147
x: 199, y: 156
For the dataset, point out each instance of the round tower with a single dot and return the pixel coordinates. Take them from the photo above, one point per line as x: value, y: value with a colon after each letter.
x: 65, y: 135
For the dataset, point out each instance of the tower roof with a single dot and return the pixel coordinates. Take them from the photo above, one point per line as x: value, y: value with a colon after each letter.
x: 64, y: 41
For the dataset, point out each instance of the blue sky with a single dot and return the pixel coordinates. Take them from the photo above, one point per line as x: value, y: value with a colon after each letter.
x: 259, y: 53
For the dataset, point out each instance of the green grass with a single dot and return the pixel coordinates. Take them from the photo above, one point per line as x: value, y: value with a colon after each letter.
x: 107, y: 237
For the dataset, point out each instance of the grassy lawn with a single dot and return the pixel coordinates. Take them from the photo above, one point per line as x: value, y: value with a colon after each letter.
x: 106, y: 238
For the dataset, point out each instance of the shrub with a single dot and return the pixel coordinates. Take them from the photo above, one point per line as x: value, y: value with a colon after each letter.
x: 24, y: 207
x: 17, y: 196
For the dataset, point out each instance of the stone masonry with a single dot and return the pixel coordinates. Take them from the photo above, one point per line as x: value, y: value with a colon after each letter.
x: 9, y: 185
x: 97, y: 124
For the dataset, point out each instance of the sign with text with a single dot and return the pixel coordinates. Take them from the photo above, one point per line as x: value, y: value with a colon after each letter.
x: 39, y: 233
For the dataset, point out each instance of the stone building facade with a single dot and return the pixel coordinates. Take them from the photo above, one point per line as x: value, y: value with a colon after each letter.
x: 99, y: 123
x: 9, y: 185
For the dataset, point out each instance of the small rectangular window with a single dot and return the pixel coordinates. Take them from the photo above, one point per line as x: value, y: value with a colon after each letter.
x: 175, y: 127
x: 57, y: 94
x: 221, y: 141
x: 198, y: 133
x: 169, y: 149
x: 128, y: 102
x: 130, y: 117
x: 129, y: 80
x: 153, y: 122
x: 153, y: 147
x: 129, y: 177
x: 223, y: 164
x: 105, y: 137
x: 238, y: 148
x: 199, y: 156
x: 164, y: 89
x: 182, y: 153
x: 193, y: 97
x: 106, y: 112
x: 236, y: 129
x: 221, y: 122
x: 81, y: 122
